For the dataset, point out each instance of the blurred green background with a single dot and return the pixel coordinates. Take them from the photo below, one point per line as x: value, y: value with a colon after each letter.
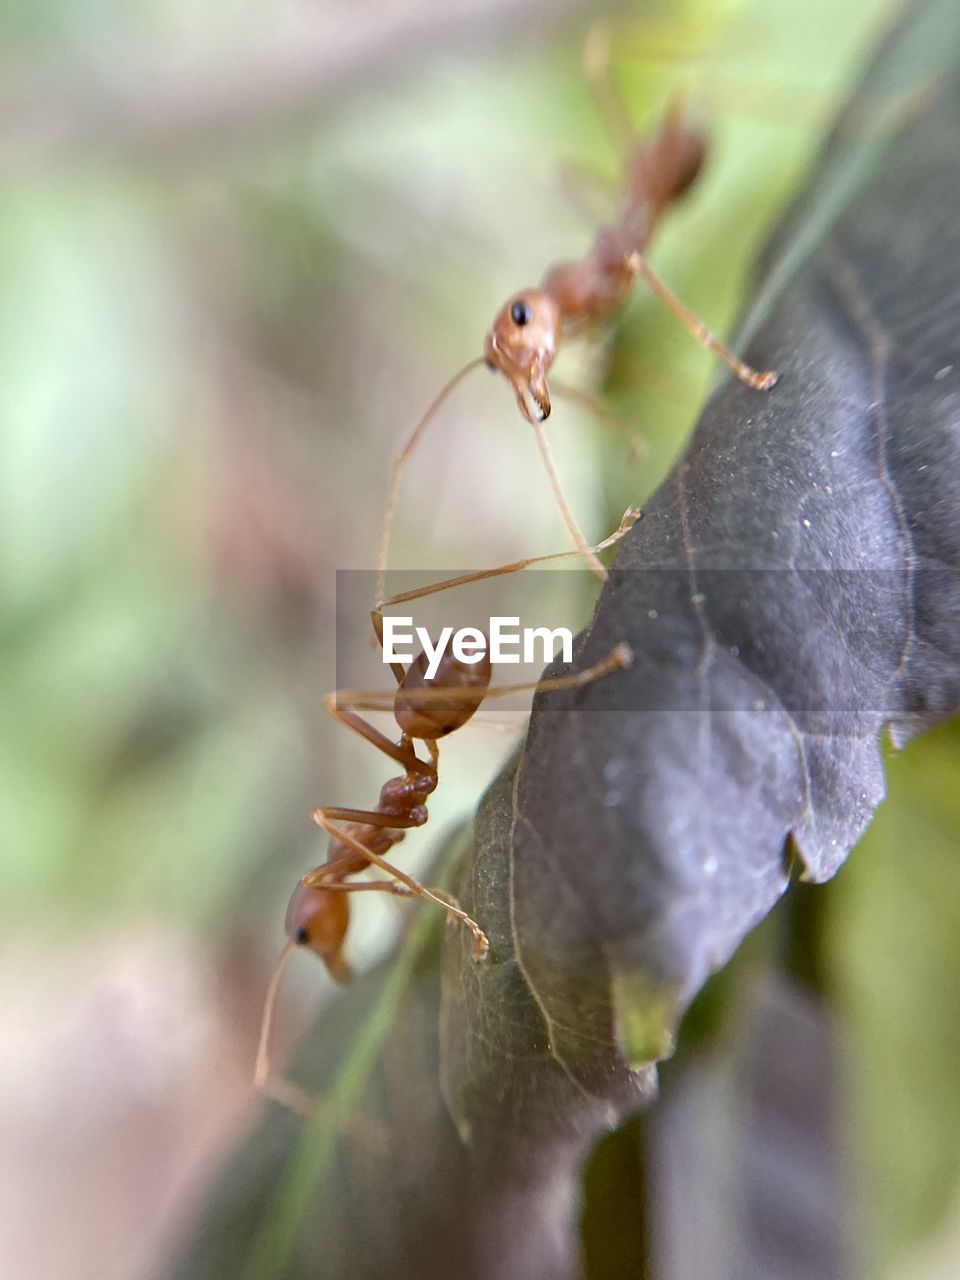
x: 240, y: 249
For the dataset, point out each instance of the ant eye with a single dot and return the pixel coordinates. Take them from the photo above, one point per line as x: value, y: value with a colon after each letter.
x: 520, y: 313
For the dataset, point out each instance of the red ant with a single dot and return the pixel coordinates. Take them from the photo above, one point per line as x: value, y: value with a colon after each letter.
x: 318, y: 915
x: 526, y: 333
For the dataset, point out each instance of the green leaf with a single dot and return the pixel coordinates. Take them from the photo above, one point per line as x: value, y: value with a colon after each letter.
x: 893, y: 948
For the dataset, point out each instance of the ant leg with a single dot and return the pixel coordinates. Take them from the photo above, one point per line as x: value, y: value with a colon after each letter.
x: 399, y: 890
x: 336, y: 704
x: 630, y: 517
x: 376, y: 618
x: 342, y: 704
x: 619, y: 657
x: 600, y: 411
x: 506, y: 721
x: 758, y: 381
x: 480, y: 942
x: 608, y: 101
x: 366, y: 700
x: 366, y: 817
x: 362, y: 886
x: 579, y: 541
x: 400, y: 460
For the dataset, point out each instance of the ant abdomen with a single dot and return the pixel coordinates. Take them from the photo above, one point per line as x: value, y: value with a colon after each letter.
x: 663, y: 170
x: 432, y: 715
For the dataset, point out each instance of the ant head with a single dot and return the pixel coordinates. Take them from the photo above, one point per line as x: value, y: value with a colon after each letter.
x: 317, y: 919
x: 521, y: 344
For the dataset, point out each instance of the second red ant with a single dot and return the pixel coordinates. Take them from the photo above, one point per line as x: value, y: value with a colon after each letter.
x: 528, y: 330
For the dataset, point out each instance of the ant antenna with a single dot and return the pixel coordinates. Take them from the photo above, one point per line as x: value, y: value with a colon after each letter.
x: 282, y: 1091
x: 400, y: 460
